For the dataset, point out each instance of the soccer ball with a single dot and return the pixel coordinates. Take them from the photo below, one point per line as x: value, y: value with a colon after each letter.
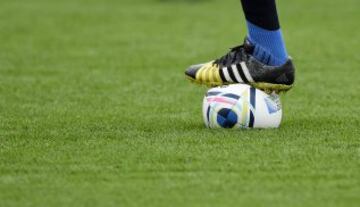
x: 241, y: 106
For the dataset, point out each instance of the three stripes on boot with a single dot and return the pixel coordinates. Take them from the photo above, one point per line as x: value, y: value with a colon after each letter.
x: 237, y: 73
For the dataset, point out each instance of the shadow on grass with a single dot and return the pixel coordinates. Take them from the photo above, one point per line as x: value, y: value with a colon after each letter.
x: 200, y: 127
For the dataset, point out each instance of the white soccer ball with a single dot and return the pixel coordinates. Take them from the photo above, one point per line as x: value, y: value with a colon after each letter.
x: 241, y: 106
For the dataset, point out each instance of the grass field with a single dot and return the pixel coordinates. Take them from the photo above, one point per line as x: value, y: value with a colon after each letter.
x: 95, y: 109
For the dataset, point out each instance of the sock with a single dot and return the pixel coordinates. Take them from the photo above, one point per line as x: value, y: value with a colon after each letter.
x: 269, y: 45
x: 264, y: 31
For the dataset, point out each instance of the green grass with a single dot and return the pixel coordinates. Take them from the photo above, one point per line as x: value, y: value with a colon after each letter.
x: 95, y: 109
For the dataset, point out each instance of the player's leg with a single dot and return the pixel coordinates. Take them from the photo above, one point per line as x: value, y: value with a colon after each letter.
x: 261, y: 61
x: 264, y: 31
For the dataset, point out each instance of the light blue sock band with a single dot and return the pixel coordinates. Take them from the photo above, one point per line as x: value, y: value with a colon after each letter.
x: 269, y: 45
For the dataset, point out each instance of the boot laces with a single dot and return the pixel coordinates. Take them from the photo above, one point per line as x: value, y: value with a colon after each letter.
x: 235, y: 55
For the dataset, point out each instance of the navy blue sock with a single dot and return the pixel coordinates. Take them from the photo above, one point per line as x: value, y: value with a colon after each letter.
x: 269, y: 45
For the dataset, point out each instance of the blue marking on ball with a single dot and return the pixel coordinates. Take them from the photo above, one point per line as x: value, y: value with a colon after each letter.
x: 227, y: 118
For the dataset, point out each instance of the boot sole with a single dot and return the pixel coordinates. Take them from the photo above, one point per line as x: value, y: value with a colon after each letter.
x: 266, y: 87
